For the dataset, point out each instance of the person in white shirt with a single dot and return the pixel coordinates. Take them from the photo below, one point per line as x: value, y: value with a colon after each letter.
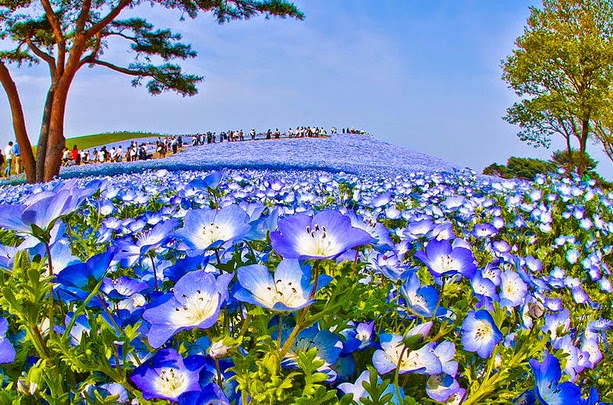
x: 8, y: 156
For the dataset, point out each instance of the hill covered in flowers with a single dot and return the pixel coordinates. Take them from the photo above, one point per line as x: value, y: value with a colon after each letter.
x: 328, y: 271
x: 348, y: 153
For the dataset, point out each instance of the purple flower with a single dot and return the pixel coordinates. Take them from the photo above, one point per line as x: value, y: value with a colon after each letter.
x: 167, y: 375
x: 420, y: 300
x: 393, y: 352
x: 7, y: 351
x: 442, y: 259
x: 326, y: 235
x: 290, y: 288
x: 194, y: 303
x: 208, y: 229
x: 480, y: 334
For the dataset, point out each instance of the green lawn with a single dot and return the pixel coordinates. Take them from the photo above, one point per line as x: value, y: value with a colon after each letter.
x: 90, y: 141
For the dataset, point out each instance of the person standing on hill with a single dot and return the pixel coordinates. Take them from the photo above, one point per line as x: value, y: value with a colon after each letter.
x: 1, y: 160
x: 76, y: 157
x: 16, y: 158
x: 8, y: 156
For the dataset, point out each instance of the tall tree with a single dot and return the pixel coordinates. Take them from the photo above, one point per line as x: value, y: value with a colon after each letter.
x: 562, y: 68
x: 67, y: 35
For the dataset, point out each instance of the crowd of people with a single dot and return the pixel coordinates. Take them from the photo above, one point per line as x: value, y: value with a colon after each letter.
x: 10, y: 160
x: 134, y: 152
x: 10, y: 156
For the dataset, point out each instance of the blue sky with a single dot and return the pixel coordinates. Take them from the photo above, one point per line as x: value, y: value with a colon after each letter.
x: 425, y: 74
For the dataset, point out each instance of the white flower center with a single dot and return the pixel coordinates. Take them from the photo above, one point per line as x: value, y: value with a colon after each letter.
x: 171, y: 382
x: 285, y: 292
x: 212, y: 233
x: 196, y: 309
x: 315, y: 241
x: 445, y: 264
x: 483, y: 331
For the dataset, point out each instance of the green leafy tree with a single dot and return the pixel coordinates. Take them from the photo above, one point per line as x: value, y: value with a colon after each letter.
x: 67, y: 35
x: 562, y: 69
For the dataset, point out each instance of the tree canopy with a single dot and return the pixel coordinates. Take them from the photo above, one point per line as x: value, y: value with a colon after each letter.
x: 67, y: 35
x: 562, y: 69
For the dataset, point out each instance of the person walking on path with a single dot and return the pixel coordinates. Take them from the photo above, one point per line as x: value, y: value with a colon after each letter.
x: 8, y: 155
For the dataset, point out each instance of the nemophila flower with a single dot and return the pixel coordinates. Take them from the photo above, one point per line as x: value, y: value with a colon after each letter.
x: 557, y: 324
x: 358, y: 337
x: 194, y: 303
x: 482, y: 231
x: 167, y: 375
x: 480, y: 334
x: 378, y: 231
x: 78, y: 280
x: 393, y: 352
x: 389, y: 264
x: 326, y: 235
x: 288, y: 289
x: 211, y: 394
x: 512, y: 289
x: 328, y: 347
x: 40, y: 212
x: 442, y: 259
x: 359, y: 392
x: 440, y: 387
x: 7, y: 351
x: 576, y: 360
x: 445, y: 351
x: 420, y: 300
x: 130, y: 251
x: 548, y: 388
x: 122, y: 287
x: 208, y: 229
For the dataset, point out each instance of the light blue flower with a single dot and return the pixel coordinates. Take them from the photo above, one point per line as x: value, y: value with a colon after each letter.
x: 480, y: 334
x: 194, y: 303
x: 288, y: 290
x: 167, y: 375
x: 7, y: 351
x: 208, y: 229
x: 326, y: 235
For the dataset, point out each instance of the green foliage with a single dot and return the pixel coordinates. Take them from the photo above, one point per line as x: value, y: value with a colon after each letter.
x: 562, y: 68
x: 90, y: 141
x: 520, y: 168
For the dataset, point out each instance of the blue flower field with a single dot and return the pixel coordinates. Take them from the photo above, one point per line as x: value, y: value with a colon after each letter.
x: 304, y: 271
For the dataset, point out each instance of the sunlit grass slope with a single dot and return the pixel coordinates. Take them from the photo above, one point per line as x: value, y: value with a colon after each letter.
x: 90, y: 141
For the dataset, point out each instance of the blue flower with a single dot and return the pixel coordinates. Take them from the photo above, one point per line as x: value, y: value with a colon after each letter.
x: 289, y: 290
x: 442, y: 259
x: 328, y: 349
x: 130, y: 251
x: 326, y: 235
x: 420, y: 300
x: 512, y: 289
x: 547, y: 383
x: 358, y: 391
x: 194, y: 303
x: 167, y: 375
x: 440, y: 387
x: 393, y: 352
x: 479, y: 333
x: 7, y: 351
x: 79, y: 279
x: 209, y: 229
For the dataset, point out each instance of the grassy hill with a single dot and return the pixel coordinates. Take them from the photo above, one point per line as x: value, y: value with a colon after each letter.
x: 90, y: 141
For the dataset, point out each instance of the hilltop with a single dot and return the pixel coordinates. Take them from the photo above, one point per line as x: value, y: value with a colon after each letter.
x: 348, y: 153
